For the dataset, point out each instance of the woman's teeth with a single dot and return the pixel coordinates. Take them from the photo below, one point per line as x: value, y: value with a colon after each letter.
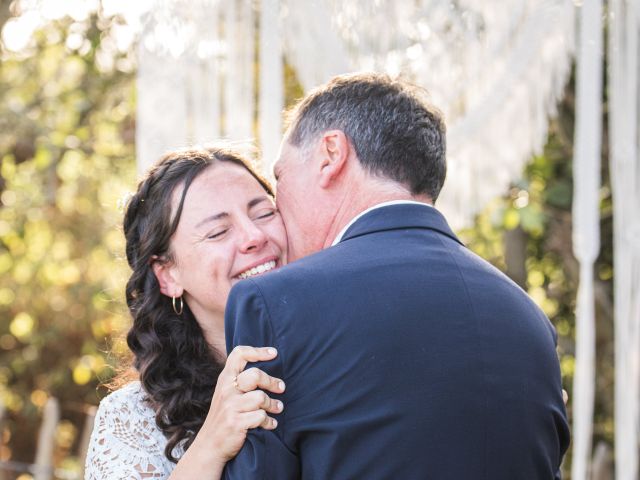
x: 265, y: 267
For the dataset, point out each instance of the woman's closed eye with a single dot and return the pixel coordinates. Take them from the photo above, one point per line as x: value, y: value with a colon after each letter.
x: 215, y: 234
x: 264, y: 214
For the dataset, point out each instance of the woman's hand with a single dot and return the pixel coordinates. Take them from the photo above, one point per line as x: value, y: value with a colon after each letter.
x: 237, y: 406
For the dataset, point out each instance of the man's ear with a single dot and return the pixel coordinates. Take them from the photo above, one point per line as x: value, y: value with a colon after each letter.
x: 165, y: 272
x: 335, y: 150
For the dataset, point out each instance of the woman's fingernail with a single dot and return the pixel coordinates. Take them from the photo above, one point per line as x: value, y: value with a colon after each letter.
x: 279, y: 405
x: 274, y: 422
x: 281, y: 385
x: 272, y: 351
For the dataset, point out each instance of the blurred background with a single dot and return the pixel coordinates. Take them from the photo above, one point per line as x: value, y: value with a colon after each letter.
x: 75, y: 94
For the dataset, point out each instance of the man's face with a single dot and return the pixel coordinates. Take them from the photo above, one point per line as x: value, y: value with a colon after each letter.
x: 299, y: 201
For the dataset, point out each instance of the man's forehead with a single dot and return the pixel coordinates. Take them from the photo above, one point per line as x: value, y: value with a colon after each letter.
x: 287, y: 152
x: 288, y: 156
x: 285, y: 146
x: 277, y: 165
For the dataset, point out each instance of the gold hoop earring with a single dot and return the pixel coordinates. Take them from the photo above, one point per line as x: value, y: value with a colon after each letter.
x: 174, y: 305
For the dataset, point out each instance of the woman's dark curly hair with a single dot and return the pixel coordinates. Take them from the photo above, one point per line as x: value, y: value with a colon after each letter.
x: 177, y: 368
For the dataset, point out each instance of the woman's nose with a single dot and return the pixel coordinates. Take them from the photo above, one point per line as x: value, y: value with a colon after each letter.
x: 253, y: 239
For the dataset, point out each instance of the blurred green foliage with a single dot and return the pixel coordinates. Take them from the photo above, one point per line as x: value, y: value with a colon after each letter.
x: 67, y: 158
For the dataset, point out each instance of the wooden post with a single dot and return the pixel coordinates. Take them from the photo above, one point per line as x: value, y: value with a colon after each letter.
x: 43, y: 467
x: 602, y: 466
x: 3, y: 411
x: 515, y: 255
x: 86, y: 437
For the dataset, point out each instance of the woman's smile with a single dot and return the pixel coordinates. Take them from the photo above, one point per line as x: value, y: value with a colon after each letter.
x: 258, y: 268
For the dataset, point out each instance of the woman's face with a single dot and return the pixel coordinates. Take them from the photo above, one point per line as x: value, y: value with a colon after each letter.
x: 229, y: 230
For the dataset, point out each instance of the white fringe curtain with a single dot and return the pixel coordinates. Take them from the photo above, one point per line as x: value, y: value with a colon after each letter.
x: 496, y: 69
x: 271, y: 82
x: 239, y: 61
x: 308, y: 30
x: 624, y: 135
x: 195, y: 80
x: 201, y: 71
x: 586, y: 225
x: 162, y: 104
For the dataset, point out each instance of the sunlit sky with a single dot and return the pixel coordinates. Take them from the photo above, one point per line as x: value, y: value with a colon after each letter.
x: 34, y: 13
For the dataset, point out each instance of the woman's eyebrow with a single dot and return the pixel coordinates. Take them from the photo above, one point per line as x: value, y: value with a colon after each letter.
x: 256, y: 201
x: 212, y: 218
x: 218, y: 216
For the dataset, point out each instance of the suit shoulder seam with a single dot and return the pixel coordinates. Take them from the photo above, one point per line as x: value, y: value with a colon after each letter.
x: 281, y: 355
x: 476, y: 318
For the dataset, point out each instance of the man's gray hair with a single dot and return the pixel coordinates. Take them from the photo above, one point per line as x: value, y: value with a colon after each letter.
x: 395, y: 131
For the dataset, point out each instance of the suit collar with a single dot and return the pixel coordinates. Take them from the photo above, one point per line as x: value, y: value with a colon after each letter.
x: 379, y: 205
x: 397, y: 217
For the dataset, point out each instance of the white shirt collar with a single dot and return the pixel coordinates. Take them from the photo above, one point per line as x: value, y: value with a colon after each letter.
x: 379, y: 205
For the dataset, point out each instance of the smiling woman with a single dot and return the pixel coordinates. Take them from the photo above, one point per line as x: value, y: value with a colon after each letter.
x: 200, y: 221
x: 229, y: 228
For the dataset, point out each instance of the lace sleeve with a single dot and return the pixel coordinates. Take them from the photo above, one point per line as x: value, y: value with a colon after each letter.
x: 125, y: 442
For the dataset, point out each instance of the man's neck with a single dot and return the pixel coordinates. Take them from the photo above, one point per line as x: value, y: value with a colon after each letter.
x: 357, y: 200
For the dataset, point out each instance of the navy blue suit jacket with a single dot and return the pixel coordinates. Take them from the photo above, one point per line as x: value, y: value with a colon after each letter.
x: 405, y: 356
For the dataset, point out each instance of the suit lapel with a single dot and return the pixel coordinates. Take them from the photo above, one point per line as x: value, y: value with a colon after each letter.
x: 400, y: 217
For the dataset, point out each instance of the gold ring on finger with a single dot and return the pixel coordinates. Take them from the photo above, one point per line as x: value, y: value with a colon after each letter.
x: 235, y: 384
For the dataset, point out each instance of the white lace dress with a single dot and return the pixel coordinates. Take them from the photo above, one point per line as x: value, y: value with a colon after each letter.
x: 126, y: 443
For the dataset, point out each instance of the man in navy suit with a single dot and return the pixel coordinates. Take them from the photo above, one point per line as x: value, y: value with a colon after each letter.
x: 405, y: 355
